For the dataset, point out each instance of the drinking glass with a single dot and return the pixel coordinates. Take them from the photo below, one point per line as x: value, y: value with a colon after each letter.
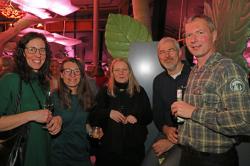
x: 179, y: 98
x: 48, y: 104
x: 94, y: 136
x: 96, y: 132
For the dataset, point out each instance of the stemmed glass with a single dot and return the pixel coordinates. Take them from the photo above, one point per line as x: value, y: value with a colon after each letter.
x: 94, y: 131
x: 48, y: 104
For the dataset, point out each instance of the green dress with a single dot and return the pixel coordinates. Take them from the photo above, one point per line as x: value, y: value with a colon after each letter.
x: 70, y: 147
x: 37, y: 152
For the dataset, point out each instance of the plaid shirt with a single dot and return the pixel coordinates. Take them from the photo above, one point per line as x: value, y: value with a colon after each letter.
x: 219, y: 90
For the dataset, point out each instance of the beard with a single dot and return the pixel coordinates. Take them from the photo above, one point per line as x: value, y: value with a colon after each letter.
x: 169, y: 66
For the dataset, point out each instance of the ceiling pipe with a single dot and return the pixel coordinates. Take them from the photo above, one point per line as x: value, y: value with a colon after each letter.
x: 95, y: 34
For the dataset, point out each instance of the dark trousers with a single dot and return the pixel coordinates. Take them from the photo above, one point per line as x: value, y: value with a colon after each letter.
x: 126, y: 158
x: 172, y: 157
x: 191, y: 157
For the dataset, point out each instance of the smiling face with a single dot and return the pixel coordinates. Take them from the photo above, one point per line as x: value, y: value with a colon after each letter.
x: 169, y: 56
x: 35, y: 53
x: 71, y: 76
x: 121, y: 72
x: 199, y: 38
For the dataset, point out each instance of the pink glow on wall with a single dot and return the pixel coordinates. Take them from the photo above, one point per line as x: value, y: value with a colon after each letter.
x: 61, y: 7
x: 70, y: 51
x: 246, y: 53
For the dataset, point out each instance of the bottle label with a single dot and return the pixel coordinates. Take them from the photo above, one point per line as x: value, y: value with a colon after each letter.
x: 179, y: 94
x: 179, y: 98
x: 180, y: 120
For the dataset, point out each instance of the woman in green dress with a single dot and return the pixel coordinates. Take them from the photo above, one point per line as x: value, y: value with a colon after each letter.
x: 72, y: 102
x: 32, y: 58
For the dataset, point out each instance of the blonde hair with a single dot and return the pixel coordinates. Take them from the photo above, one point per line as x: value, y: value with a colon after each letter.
x: 133, y: 85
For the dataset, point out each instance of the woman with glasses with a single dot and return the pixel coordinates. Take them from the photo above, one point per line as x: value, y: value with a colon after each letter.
x: 123, y: 112
x: 32, y: 57
x: 72, y: 102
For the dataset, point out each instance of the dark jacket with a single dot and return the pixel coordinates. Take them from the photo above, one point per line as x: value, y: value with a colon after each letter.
x: 164, y: 94
x: 118, y: 137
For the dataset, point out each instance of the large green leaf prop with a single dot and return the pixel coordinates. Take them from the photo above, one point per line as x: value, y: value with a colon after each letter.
x: 232, y: 19
x: 121, y: 31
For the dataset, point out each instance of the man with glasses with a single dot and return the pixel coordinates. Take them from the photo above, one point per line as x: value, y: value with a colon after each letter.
x: 164, y: 94
x: 216, y: 101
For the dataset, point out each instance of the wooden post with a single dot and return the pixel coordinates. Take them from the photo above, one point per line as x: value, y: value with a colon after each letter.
x: 95, y: 33
x: 141, y: 12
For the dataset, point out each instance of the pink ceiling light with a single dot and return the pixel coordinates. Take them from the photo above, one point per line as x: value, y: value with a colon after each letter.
x: 39, y: 7
x: 41, y: 13
x: 53, y: 37
x: 48, y: 35
x: 66, y: 41
x: 62, y: 7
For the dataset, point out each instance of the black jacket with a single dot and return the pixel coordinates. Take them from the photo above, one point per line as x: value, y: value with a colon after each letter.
x: 118, y: 137
x: 164, y: 94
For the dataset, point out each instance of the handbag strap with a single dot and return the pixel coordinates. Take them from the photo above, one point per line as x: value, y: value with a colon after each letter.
x: 23, y: 129
x: 37, y: 99
x: 18, y: 99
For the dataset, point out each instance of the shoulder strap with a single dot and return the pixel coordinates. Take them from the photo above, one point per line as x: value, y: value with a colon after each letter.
x: 18, y: 99
x: 36, y: 97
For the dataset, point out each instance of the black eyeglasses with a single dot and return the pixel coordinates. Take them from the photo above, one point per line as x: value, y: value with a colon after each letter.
x: 33, y: 50
x: 69, y: 71
x: 170, y: 51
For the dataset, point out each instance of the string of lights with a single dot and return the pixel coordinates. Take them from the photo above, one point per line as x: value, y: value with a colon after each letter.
x: 9, y: 11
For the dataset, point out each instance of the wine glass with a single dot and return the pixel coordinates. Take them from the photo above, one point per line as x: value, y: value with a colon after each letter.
x: 48, y: 104
x: 96, y: 132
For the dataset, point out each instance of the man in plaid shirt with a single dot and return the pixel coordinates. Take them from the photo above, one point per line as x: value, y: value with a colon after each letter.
x: 216, y: 102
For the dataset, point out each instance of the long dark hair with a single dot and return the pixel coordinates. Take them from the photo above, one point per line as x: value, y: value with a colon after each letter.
x: 22, y: 67
x: 84, y: 93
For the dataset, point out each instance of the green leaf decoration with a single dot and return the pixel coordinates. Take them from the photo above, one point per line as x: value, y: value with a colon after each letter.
x: 121, y: 31
x: 232, y: 19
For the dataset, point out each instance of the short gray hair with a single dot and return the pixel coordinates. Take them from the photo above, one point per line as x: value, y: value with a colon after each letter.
x: 209, y: 21
x: 169, y: 39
